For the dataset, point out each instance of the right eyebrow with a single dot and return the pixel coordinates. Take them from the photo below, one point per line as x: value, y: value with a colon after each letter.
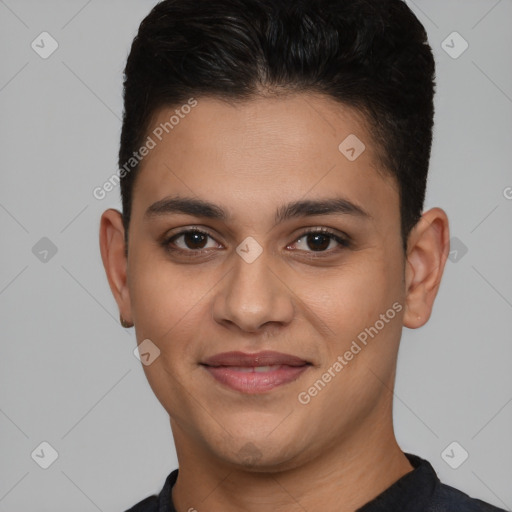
x: 187, y: 205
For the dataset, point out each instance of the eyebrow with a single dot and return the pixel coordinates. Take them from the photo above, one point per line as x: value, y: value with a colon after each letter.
x: 295, y: 209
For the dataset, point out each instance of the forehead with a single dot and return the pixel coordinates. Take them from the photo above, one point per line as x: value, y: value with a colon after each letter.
x: 305, y: 123
x: 300, y: 145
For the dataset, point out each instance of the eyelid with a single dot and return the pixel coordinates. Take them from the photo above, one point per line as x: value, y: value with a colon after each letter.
x: 187, y: 229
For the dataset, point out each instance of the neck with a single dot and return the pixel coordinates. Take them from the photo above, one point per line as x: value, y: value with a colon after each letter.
x: 344, y: 477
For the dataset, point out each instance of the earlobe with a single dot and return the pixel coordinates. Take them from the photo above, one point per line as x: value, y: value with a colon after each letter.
x: 427, y: 252
x: 112, y: 248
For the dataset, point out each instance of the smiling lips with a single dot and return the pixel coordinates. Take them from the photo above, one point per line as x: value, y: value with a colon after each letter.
x: 255, y: 373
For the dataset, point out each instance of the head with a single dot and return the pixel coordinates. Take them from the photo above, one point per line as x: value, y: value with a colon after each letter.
x: 294, y: 137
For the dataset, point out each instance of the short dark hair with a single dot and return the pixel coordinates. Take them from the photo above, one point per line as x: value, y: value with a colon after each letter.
x: 372, y: 55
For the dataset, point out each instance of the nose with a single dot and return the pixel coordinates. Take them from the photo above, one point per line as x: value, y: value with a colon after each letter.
x: 253, y: 297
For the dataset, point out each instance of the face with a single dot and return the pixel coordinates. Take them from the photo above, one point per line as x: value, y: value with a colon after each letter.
x: 284, y: 243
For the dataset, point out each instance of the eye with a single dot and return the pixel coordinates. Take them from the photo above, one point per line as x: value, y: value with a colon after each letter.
x: 319, y: 240
x: 195, y: 242
x: 191, y: 240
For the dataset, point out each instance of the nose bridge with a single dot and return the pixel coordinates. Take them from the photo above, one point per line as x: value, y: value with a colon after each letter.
x: 253, y: 295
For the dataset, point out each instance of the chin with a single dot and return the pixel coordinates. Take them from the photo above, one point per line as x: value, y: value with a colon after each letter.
x: 262, y: 456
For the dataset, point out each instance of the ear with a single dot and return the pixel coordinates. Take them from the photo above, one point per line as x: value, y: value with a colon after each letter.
x: 112, y: 247
x: 428, y: 247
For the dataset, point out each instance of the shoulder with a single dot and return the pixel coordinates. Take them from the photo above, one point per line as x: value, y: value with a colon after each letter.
x: 424, y: 485
x: 448, y: 499
x: 161, y: 502
x: 150, y: 504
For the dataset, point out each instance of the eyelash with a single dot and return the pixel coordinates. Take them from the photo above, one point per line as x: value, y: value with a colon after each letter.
x: 343, y: 242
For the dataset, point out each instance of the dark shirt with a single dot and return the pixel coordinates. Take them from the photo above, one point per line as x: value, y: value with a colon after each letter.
x: 420, y: 490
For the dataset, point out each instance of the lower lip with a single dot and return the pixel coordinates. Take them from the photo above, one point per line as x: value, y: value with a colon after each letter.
x: 255, y: 382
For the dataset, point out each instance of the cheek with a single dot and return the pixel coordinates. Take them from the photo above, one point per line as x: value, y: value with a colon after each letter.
x: 162, y: 297
x: 353, y: 296
x: 168, y: 310
x: 361, y: 348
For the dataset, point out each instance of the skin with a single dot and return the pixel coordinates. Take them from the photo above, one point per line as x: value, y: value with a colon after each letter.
x: 245, y: 452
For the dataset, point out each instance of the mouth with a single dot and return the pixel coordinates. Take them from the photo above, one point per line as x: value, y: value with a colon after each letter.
x: 255, y: 373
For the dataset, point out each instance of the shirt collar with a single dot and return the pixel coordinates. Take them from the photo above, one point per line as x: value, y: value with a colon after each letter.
x: 412, y: 492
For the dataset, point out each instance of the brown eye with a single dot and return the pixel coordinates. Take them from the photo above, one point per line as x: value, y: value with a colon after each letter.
x: 195, y: 240
x: 190, y: 241
x: 320, y: 241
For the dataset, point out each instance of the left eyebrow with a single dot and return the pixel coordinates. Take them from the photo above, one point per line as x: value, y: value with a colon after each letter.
x: 302, y: 208
x: 306, y: 208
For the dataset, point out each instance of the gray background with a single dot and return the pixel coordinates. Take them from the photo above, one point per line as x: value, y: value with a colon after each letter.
x: 68, y: 373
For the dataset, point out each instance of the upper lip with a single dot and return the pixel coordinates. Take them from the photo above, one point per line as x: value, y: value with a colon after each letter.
x: 265, y: 358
